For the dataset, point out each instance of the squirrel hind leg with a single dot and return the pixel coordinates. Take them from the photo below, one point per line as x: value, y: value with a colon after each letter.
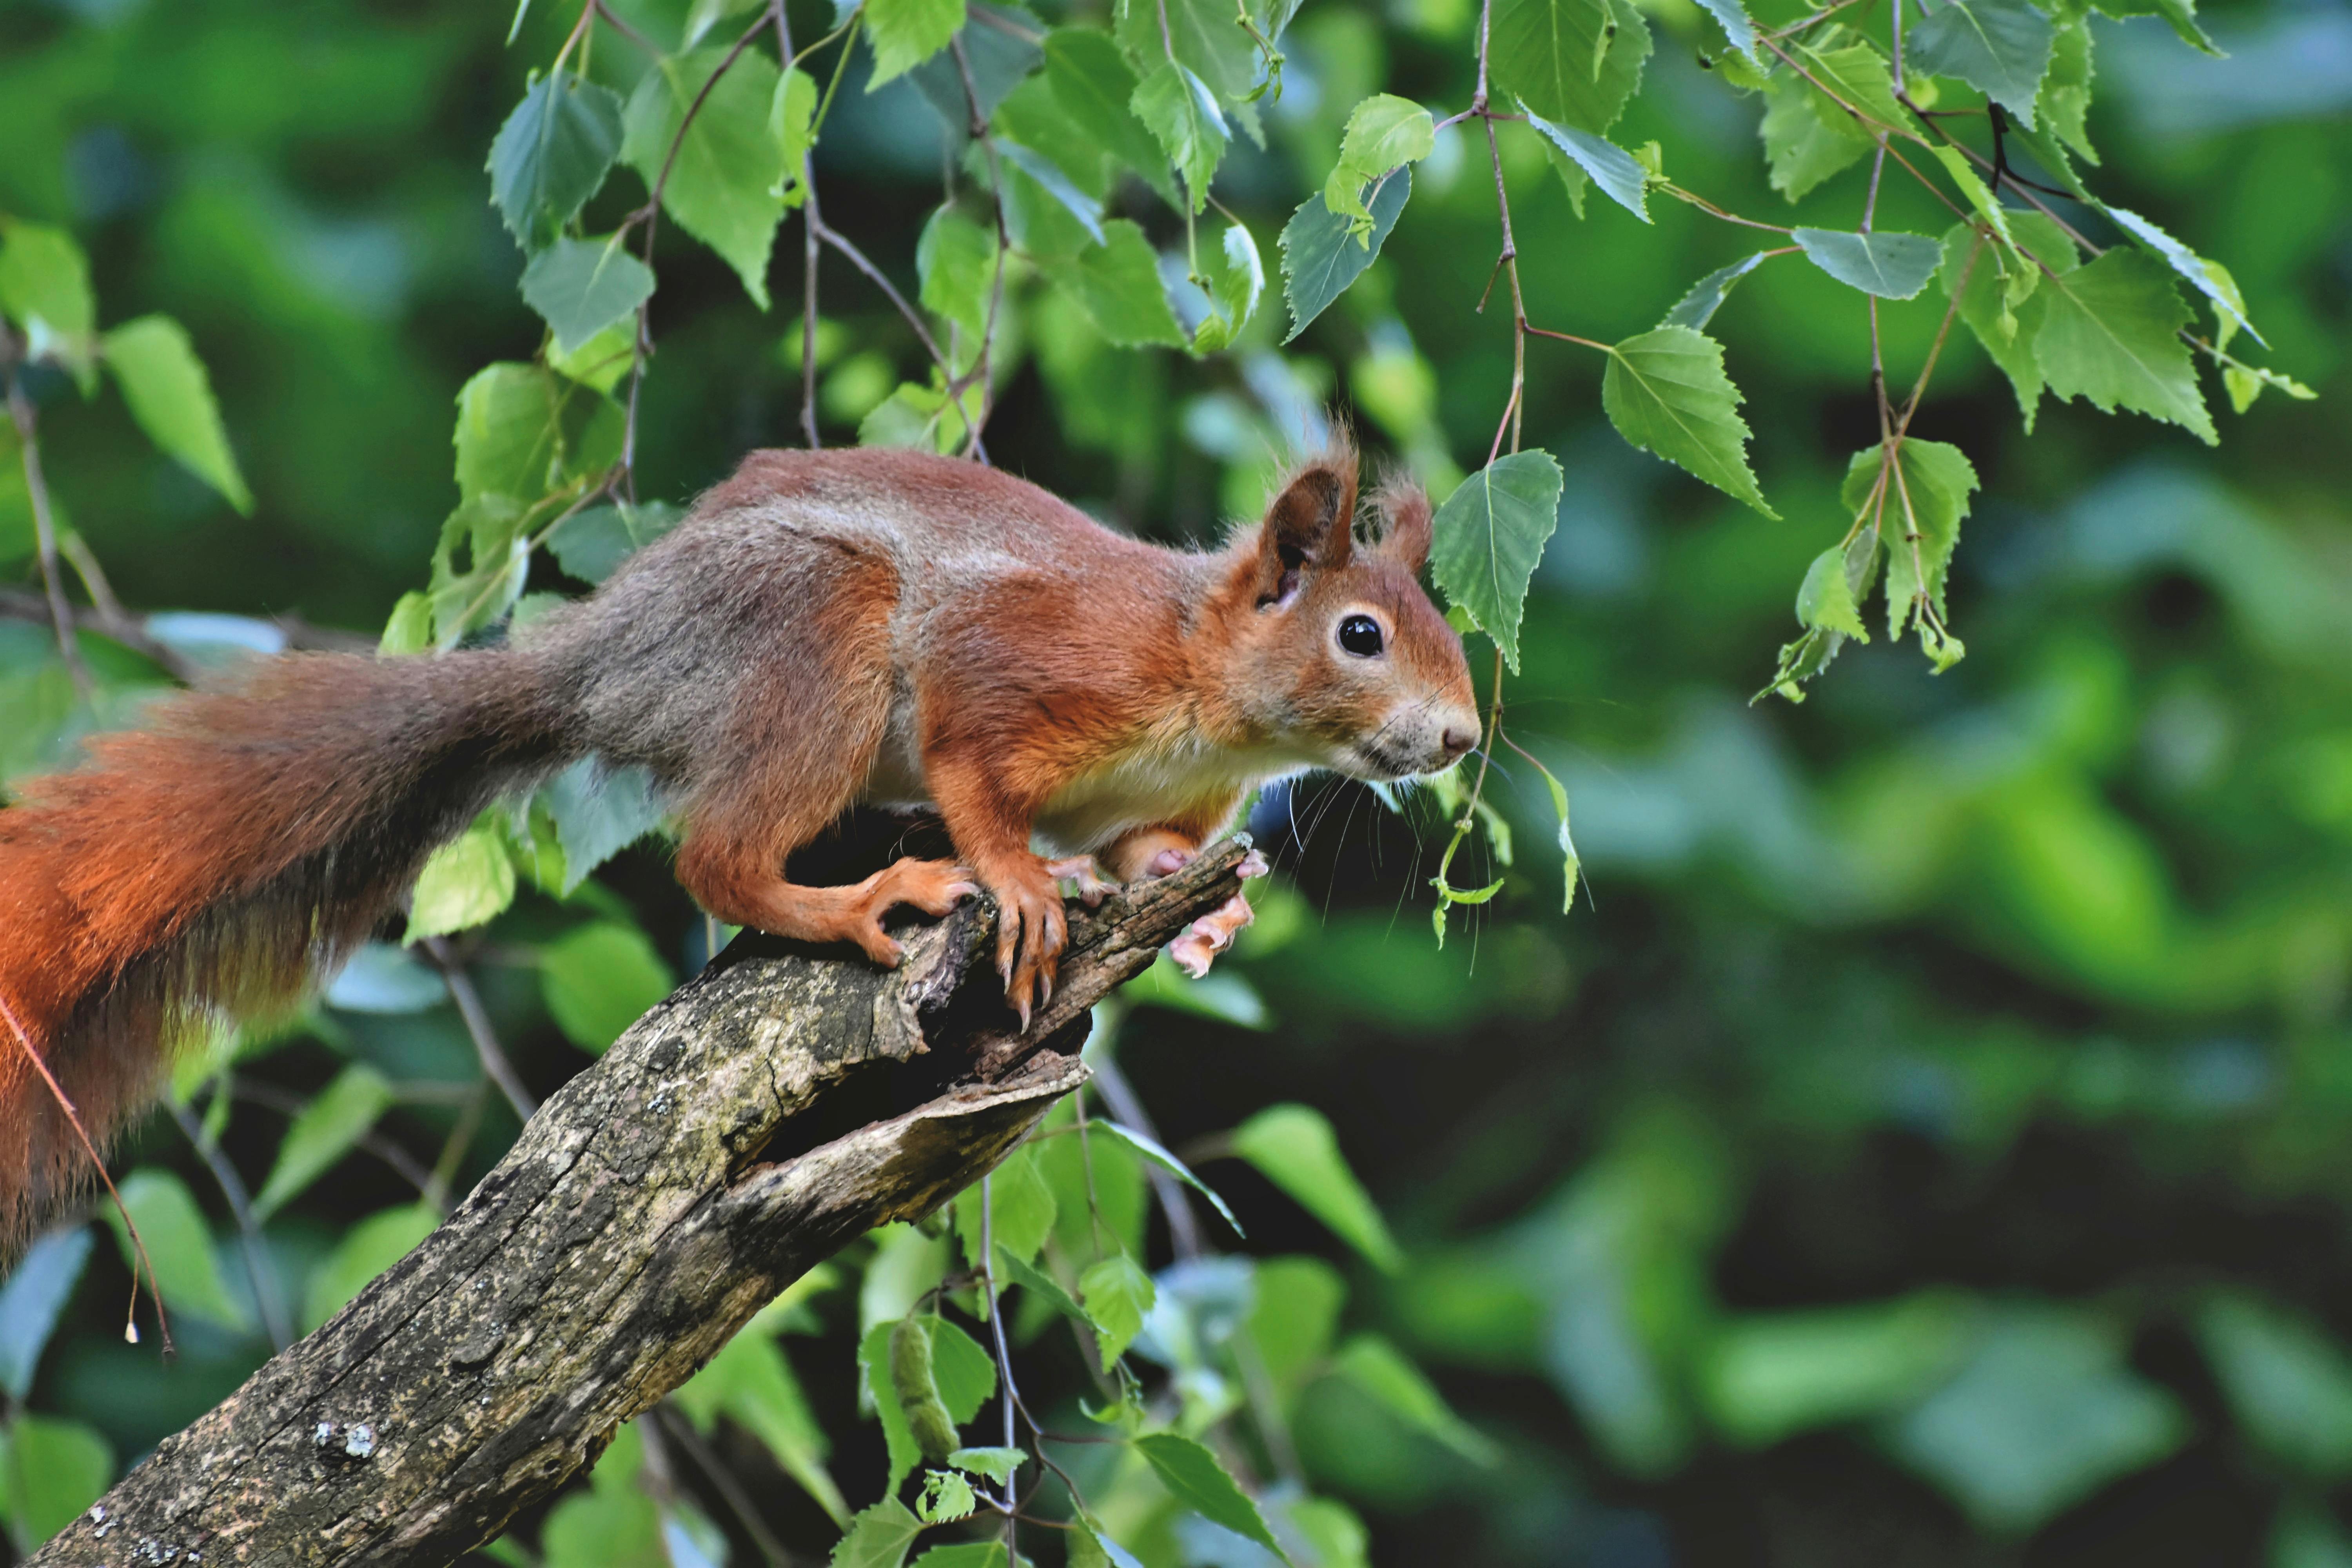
x: 852, y: 913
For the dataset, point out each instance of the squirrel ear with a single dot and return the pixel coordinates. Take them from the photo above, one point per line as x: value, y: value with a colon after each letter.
x: 1406, y: 537
x: 1308, y: 525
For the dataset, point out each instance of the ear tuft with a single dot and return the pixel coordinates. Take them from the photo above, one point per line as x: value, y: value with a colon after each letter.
x: 1407, y: 530
x: 1309, y: 526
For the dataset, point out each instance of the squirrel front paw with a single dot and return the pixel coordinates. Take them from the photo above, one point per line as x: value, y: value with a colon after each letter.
x: 1031, y: 932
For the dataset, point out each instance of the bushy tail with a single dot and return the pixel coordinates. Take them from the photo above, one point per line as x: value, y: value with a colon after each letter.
x: 211, y: 864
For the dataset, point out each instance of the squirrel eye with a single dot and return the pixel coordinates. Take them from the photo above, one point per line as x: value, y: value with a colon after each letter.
x: 1361, y: 634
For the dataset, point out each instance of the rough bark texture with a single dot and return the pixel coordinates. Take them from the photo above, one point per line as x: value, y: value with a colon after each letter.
x: 738, y: 1134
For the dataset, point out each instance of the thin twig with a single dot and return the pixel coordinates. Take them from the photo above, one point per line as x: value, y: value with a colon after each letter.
x: 402, y: 1163
x: 477, y: 1025
x: 248, y: 1229
x: 1184, y: 1228
x: 45, y: 527
x: 725, y: 1482
x: 809, y: 253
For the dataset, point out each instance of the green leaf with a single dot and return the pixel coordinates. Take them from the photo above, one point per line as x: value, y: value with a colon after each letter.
x: 1853, y: 78
x: 1572, y: 864
x: 598, y: 811
x: 2044, y: 1412
x: 323, y: 1133
x: 792, y: 125
x: 1049, y: 177
x: 2110, y: 332
x: 1803, y: 145
x: 728, y: 162
x: 1021, y: 1209
x: 1490, y: 533
x: 1666, y: 392
x: 2289, y: 1383
x: 2181, y: 14
x: 962, y: 1374
x: 1922, y: 503
x: 1891, y: 266
x: 1089, y: 1547
x: 179, y: 1244
x: 553, y: 154
x: 965, y: 1372
x: 1116, y: 283
x: 1384, y: 132
x: 1013, y: 1271
x: 1737, y: 28
x: 1092, y: 83
x: 1292, y: 1146
x: 171, y: 399
x: 409, y: 627
x: 966, y: 1555
x: 1825, y: 600
x: 706, y: 14
x: 878, y: 1537
x: 51, y: 1470
x: 1981, y: 200
x: 752, y: 1382
x: 1198, y: 1481
x: 1207, y: 43
x: 601, y: 362
x: 1573, y: 62
x: 580, y: 287
x: 947, y: 1496
x: 520, y: 432
x: 591, y: 543
x: 1972, y: 266
x: 2000, y: 47
x: 600, y: 978
x: 2197, y: 271
x: 2064, y: 105
x: 366, y: 1250
x: 35, y: 1293
x: 1235, y: 287
x: 997, y: 1464
x: 1612, y: 168
x: 467, y: 882
x: 1320, y: 258
x: 1177, y: 108
x: 1224, y: 996
x: 1117, y: 1294
x: 1768, y: 1378
x: 906, y: 32
x: 956, y: 261
x: 2244, y: 383
x: 45, y: 288
x: 1168, y: 1162
x: 1379, y: 1370
x: 1696, y: 309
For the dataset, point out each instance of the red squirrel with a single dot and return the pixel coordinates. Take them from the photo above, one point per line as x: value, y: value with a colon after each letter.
x: 827, y: 629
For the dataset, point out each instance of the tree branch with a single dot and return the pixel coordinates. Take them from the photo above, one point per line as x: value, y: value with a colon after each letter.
x: 779, y: 1105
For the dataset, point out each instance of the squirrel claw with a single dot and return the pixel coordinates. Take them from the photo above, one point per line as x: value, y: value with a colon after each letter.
x: 1253, y: 864
x: 1198, y: 947
x: 1081, y: 870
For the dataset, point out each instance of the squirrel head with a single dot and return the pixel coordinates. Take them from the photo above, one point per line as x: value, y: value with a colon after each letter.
x: 1339, y: 651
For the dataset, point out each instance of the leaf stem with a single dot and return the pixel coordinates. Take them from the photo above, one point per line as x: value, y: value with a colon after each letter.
x: 45, y: 526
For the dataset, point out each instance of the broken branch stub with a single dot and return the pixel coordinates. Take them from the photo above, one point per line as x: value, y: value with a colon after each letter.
x: 780, y: 1104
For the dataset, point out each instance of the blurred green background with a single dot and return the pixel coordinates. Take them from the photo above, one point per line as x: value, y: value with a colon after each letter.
x: 1930, y: 1139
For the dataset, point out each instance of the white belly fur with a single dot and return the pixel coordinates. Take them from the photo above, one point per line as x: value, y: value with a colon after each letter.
x: 1133, y: 790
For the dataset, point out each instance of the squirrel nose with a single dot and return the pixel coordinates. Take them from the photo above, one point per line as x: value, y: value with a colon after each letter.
x: 1457, y: 740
